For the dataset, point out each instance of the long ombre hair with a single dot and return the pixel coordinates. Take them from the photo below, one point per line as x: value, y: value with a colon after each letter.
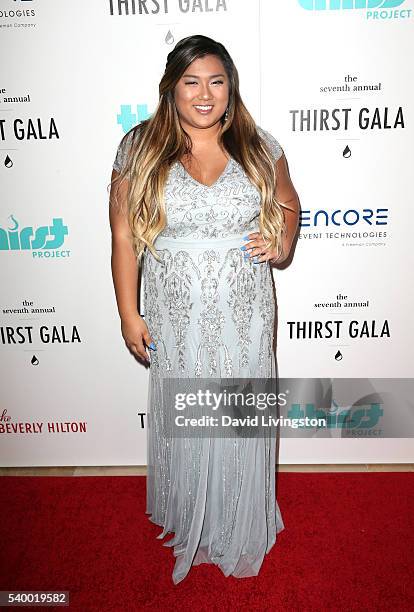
x: 160, y: 141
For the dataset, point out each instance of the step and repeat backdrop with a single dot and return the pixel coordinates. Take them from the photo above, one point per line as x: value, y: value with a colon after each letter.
x: 333, y: 82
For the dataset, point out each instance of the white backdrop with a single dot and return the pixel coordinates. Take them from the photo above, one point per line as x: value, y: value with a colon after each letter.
x: 331, y: 84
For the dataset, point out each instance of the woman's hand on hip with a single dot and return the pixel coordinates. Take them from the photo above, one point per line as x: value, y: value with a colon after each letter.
x: 256, y: 249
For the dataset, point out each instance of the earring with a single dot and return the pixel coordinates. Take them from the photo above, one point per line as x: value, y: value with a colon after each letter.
x: 226, y: 114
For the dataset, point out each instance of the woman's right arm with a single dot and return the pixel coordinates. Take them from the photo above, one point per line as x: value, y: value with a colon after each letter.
x: 125, y: 274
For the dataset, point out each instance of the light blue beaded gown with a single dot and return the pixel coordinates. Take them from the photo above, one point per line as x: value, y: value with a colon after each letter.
x: 210, y: 313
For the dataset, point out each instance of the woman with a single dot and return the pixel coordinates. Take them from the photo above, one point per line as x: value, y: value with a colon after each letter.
x: 202, y: 201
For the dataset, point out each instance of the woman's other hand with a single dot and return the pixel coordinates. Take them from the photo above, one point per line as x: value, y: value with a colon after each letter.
x: 136, y: 335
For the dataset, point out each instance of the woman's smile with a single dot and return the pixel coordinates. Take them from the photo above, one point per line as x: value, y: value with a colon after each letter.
x: 203, y: 109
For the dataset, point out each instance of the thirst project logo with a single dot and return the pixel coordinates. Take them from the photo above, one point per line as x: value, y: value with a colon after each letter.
x: 337, y: 5
x: 375, y: 10
x: 44, y: 241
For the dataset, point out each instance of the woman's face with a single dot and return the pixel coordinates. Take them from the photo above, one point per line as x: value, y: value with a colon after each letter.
x: 204, y: 83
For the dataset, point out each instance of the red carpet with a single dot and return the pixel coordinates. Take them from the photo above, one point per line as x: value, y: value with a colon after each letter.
x: 347, y: 545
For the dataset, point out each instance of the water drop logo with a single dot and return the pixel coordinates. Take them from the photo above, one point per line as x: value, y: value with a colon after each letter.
x: 45, y: 238
x: 169, y: 39
x: 8, y: 162
x: 338, y: 5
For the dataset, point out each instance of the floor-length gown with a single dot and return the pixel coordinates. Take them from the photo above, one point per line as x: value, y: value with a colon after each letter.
x: 210, y: 313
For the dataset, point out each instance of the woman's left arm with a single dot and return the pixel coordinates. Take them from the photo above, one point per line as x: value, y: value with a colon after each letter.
x: 289, y: 201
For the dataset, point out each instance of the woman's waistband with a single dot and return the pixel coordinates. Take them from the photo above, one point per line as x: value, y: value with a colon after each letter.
x: 166, y: 242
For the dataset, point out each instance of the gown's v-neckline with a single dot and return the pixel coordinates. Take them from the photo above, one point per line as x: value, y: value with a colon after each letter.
x: 203, y: 184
